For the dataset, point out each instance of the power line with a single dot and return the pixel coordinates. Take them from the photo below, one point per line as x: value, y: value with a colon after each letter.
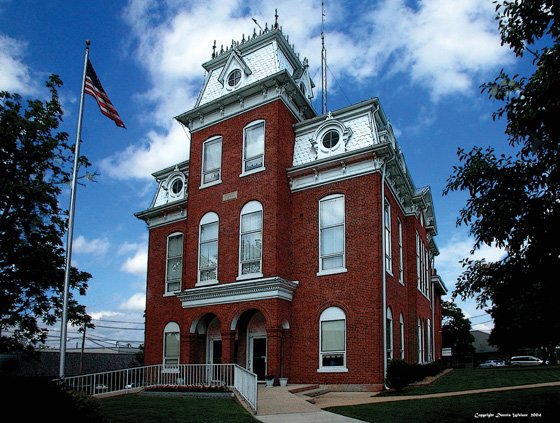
x: 118, y: 328
x: 118, y: 321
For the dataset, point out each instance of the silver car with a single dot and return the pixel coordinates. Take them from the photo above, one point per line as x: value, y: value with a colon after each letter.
x: 491, y: 363
x: 525, y: 360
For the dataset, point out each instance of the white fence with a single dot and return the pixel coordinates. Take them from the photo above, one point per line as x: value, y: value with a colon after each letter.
x: 231, y: 376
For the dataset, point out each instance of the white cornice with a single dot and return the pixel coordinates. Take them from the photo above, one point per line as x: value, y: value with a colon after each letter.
x: 236, y: 292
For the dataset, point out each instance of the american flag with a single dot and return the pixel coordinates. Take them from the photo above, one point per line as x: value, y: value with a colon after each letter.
x: 94, y: 88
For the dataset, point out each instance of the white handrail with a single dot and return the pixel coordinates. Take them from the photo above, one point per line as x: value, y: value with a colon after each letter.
x: 231, y: 376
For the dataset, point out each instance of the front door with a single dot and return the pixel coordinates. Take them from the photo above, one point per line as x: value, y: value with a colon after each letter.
x: 258, y: 356
x: 216, y: 351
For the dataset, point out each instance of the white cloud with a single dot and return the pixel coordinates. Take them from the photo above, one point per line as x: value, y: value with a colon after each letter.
x: 104, y: 313
x: 458, y: 248
x: 15, y: 74
x: 137, y: 264
x: 96, y: 246
x: 137, y: 302
x: 442, y: 46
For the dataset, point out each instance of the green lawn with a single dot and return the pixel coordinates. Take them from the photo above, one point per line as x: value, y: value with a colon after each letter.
x: 138, y: 409
x: 544, y: 402
x: 466, y: 379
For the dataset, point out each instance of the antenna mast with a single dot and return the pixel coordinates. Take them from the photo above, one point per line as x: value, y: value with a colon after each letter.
x: 323, y: 60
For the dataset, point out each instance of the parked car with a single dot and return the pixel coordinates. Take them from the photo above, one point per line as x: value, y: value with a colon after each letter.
x: 491, y: 363
x: 525, y: 360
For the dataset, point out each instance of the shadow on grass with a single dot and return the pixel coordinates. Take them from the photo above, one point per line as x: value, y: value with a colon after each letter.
x: 136, y: 408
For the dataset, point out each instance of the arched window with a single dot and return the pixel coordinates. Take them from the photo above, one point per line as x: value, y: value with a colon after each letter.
x: 208, y: 249
x: 401, y: 319
x: 401, y: 257
x: 251, y: 240
x: 428, y: 340
x: 253, y: 147
x: 332, y: 340
x: 211, y: 162
x: 332, y: 234
x: 388, y: 252
x: 171, y: 345
x: 174, y: 265
x: 389, y: 330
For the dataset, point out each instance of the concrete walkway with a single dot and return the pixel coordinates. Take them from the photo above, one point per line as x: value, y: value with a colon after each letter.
x: 278, y: 405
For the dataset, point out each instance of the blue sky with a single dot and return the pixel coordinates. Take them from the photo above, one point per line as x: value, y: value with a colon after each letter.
x: 425, y: 60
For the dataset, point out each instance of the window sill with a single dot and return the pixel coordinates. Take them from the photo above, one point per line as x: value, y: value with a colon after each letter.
x: 210, y: 184
x: 249, y: 276
x: 332, y: 271
x: 171, y: 294
x: 389, y: 271
x: 253, y: 171
x: 332, y: 370
x: 206, y: 283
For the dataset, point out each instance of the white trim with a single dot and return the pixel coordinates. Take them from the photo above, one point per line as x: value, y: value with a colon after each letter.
x: 332, y: 271
x: 332, y: 314
x: 171, y: 327
x: 401, y: 251
x: 333, y: 369
x: 243, y: 158
x: 235, y: 292
x: 208, y: 218
x: 402, y: 330
x: 387, y: 227
x: 342, y: 269
x: 249, y: 208
x: 203, y: 170
x: 390, y: 351
x: 174, y: 234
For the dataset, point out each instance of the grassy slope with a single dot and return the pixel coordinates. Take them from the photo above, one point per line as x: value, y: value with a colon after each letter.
x: 544, y: 401
x: 137, y: 409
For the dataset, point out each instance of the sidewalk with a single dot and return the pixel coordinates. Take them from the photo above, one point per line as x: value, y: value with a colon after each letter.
x: 278, y: 405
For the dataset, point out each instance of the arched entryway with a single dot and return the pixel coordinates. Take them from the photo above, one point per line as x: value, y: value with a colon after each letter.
x: 207, y: 345
x: 250, y: 328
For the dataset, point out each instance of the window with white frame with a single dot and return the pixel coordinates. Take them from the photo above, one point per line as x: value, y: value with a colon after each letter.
x: 174, y: 264
x: 428, y: 340
x: 253, y: 147
x: 418, y: 270
x: 208, y: 249
x: 389, y: 333
x: 420, y: 341
x: 212, y: 161
x: 401, y: 321
x: 331, y: 234
x: 388, y: 253
x: 250, y: 240
x: 401, y: 258
x: 332, y: 340
x: 171, y: 345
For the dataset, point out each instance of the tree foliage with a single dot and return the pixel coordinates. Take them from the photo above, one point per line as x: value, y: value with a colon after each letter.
x: 514, y: 200
x: 456, y: 330
x: 35, y: 164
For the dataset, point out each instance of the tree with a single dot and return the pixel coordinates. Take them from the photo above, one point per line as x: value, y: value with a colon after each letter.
x: 35, y: 163
x: 456, y: 330
x: 515, y: 199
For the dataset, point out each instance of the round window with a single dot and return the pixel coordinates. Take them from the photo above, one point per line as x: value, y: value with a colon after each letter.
x: 234, y: 77
x: 176, y: 186
x: 330, y: 139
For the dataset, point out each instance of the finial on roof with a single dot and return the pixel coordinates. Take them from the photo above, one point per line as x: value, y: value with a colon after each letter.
x: 276, y: 18
x: 266, y: 27
x: 222, y: 49
x: 214, y: 50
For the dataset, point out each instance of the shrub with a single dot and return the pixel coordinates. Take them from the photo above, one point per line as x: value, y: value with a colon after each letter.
x: 398, y: 374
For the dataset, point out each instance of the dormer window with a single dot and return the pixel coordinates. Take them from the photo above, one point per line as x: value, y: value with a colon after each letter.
x: 176, y: 186
x: 234, y: 78
x: 330, y: 139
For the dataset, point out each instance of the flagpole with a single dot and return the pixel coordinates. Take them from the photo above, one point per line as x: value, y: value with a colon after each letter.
x: 69, y: 236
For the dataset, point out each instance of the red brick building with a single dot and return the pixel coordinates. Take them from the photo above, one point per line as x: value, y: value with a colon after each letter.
x: 292, y: 244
